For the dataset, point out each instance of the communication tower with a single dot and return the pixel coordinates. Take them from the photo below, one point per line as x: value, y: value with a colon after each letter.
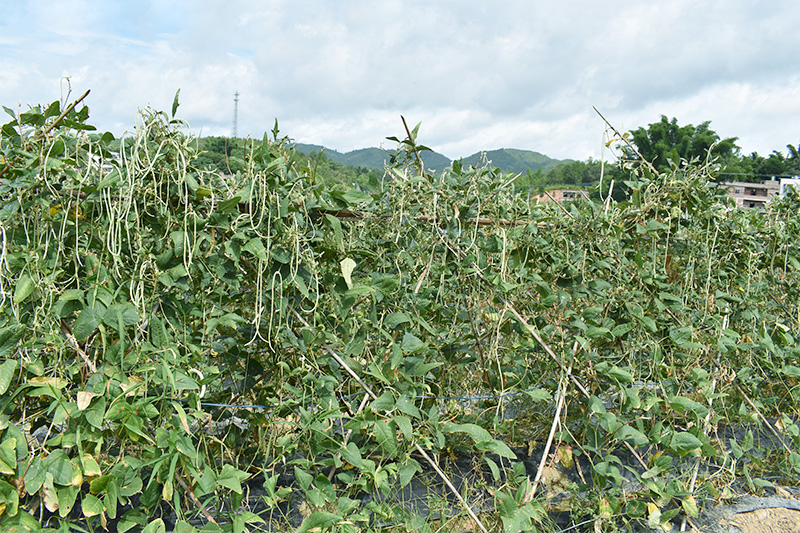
x: 235, y: 131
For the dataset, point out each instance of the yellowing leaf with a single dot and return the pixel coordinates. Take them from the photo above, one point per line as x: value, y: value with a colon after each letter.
x: 565, y: 456
x: 90, y: 466
x: 133, y: 387
x: 653, y: 515
x: 84, y: 399
x: 690, y: 506
x: 348, y: 265
x: 49, y: 493
x: 56, y: 383
x: 166, y: 490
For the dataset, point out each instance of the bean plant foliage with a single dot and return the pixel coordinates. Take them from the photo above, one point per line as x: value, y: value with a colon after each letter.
x: 171, y: 335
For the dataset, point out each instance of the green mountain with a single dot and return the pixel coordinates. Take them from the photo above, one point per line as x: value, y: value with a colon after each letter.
x: 371, y: 157
x: 507, y: 159
x: 365, y: 157
x: 512, y: 160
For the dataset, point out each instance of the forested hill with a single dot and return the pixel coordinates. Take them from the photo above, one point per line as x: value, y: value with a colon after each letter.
x: 512, y: 160
x: 507, y: 159
x: 371, y: 157
x: 367, y: 165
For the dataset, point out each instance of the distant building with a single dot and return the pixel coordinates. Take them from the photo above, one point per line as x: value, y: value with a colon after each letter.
x: 789, y: 182
x: 752, y: 195
x: 561, y: 195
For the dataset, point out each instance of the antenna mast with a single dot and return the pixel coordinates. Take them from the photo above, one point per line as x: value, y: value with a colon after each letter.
x: 235, y: 131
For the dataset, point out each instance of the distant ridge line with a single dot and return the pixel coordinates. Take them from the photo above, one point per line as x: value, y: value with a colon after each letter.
x: 507, y: 159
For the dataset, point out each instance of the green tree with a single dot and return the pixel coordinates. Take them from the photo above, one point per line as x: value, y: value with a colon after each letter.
x: 793, y: 159
x: 666, y: 141
x: 221, y: 154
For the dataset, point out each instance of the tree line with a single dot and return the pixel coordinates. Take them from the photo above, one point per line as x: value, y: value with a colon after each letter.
x: 228, y: 156
x: 664, y: 143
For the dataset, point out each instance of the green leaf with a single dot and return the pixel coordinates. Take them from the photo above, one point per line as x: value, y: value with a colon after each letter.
x: 8, y: 455
x: 59, y: 465
x: 477, y: 433
x: 737, y: 450
x: 384, y: 402
x: 117, y: 314
x: 649, y: 324
x: 405, y: 405
x: 24, y: 288
x: 229, y: 206
x: 493, y: 467
x: 421, y: 368
x: 184, y: 527
x: 597, y: 405
x: 66, y: 499
x: 621, y: 329
x: 231, y: 478
x: 683, y: 441
x: 92, y: 506
x: 158, y: 332
x: 411, y: 343
x: 680, y: 336
x: 352, y: 455
x: 319, y: 521
x: 385, y: 283
x: 7, y: 370
x: 20, y: 522
x: 156, y: 526
x: 496, y: 447
x: 794, y: 458
x: 86, y: 323
x: 404, y: 423
x: 386, y: 435
x: 595, y: 332
x: 9, y: 339
x: 175, y: 103
x: 539, y: 395
x: 303, y: 477
x: 9, y: 499
x: 791, y: 371
x: 614, y: 372
x: 690, y: 506
x: 256, y: 247
x: 682, y: 405
x: 337, y: 230
x: 632, y: 435
x: 395, y: 319
x: 407, y: 471
x: 354, y: 197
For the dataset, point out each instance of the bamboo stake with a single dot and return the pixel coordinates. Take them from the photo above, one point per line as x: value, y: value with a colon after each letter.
x: 758, y: 412
x: 197, y: 502
x: 630, y: 145
x: 64, y: 114
x: 51, y: 126
x: 562, y: 393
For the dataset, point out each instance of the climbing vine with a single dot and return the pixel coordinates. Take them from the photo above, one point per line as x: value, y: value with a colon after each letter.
x: 170, y: 335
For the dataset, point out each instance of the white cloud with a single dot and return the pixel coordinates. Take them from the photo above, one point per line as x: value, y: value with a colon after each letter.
x: 479, y: 75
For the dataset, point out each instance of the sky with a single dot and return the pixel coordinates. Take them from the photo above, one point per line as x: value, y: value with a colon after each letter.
x: 478, y: 75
